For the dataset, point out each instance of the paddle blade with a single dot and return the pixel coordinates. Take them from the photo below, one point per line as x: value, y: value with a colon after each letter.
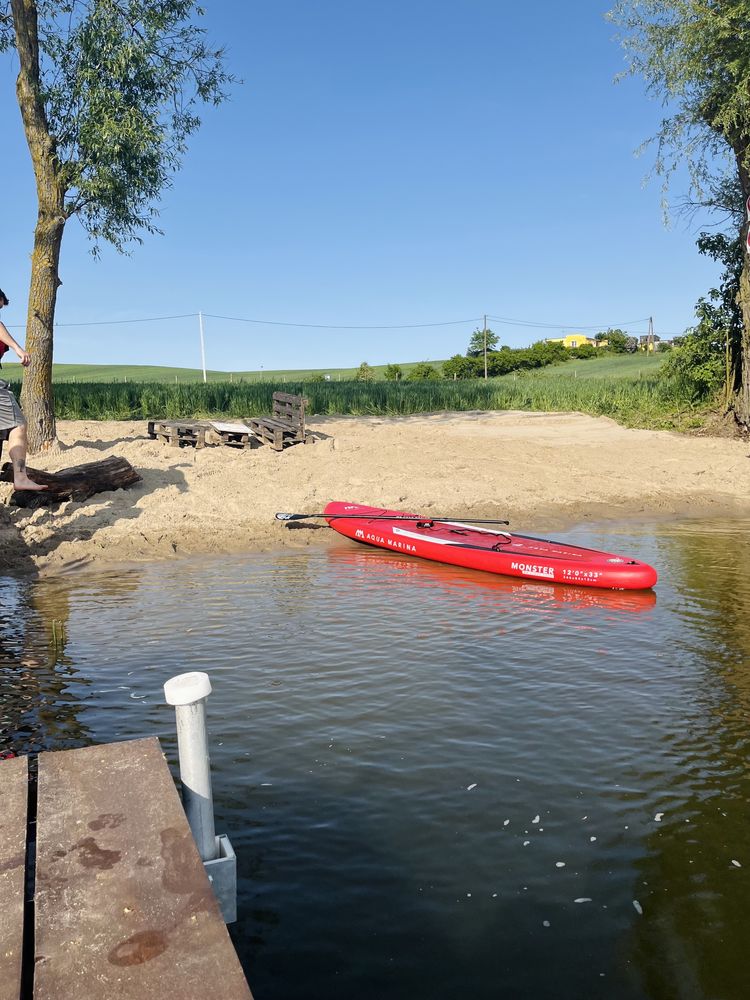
x: 281, y: 516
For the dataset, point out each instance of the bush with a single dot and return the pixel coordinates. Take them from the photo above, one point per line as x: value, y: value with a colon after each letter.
x: 423, y: 370
x: 695, y: 370
x: 460, y: 367
x: 583, y: 352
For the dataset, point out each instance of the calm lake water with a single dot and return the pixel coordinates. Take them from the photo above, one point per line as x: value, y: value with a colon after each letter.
x: 438, y: 783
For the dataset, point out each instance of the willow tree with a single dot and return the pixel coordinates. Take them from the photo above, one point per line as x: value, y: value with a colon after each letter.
x: 695, y: 55
x: 108, y: 91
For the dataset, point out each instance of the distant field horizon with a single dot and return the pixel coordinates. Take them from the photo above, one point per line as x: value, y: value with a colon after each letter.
x: 159, y: 373
x: 609, y: 366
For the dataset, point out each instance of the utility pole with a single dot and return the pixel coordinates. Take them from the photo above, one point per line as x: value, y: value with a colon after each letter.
x: 650, y: 343
x: 485, y: 345
x: 203, y: 346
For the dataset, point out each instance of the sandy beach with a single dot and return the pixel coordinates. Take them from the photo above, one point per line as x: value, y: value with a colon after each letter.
x: 540, y: 470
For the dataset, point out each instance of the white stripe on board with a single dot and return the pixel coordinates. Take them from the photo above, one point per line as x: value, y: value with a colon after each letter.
x: 471, y: 527
x: 444, y: 541
x: 424, y: 538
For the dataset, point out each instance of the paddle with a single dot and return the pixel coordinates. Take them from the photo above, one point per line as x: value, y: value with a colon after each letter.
x: 387, y: 517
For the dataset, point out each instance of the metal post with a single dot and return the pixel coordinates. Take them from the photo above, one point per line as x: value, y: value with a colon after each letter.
x: 188, y: 693
x: 203, y: 346
x: 485, y: 346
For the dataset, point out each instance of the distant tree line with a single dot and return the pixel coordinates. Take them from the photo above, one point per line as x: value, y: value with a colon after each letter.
x: 501, y: 360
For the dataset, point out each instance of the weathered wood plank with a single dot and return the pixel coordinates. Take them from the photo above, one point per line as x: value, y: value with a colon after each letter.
x: 14, y: 790
x: 76, y: 483
x: 123, y: 905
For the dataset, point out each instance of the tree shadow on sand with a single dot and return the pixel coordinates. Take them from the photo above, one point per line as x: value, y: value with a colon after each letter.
x: 75, y: 521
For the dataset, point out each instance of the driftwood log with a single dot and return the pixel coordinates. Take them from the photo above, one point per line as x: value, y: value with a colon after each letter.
x: 77, y: 483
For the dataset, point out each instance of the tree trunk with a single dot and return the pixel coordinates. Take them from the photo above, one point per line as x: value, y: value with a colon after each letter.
x: 742, y: 404
x: 742, y: 399
x: 36, y: 397
x: 37, y: 401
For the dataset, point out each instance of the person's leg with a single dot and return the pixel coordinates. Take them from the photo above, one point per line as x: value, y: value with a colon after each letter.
x: 17, y: 451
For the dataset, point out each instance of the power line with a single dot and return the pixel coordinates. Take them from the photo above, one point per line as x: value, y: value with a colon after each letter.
x: 324, y: 326
x: 565, y: 326
x: 262, y: 322
x: 113, y: 322
x: 505, y: 320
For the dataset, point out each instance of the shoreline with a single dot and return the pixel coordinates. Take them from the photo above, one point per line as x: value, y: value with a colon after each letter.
x: 543, y: 471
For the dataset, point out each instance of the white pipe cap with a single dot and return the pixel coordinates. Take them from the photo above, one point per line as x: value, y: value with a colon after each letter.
x: 187, y: 689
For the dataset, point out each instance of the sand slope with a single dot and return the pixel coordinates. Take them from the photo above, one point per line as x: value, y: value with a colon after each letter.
x: 540, y: 470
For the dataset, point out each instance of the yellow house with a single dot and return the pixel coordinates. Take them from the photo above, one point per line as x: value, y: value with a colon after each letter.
x: 572, y: 340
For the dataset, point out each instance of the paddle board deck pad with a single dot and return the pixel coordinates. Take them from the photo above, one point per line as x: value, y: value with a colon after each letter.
x: 488, y: 549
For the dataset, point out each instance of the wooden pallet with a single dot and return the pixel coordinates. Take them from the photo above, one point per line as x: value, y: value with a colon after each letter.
x: 287, y: 423
x: 179, y: 433
x: 234, y: 435
x: 199, y: 433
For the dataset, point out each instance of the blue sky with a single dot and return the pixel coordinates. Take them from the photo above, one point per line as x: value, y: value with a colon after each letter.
x: 384, y: 163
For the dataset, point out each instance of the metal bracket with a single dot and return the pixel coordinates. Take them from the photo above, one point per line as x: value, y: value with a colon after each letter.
x: 222, y: 874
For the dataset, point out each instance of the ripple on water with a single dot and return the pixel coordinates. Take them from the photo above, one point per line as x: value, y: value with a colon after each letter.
x: 433, y: 778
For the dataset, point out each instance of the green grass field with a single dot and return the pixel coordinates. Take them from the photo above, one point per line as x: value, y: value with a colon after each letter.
x: 629, y: 366
x: 635, y: 366
x: 153, y: 373
x: 625, y: 387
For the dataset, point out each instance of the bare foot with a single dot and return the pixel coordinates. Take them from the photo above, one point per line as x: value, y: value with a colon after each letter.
x: 24, y: 483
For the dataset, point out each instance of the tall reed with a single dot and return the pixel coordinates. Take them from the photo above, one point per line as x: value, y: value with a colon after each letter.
x: 644, y: 402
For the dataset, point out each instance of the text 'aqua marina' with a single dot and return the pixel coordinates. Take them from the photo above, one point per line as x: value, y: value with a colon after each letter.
x: 391, y: 543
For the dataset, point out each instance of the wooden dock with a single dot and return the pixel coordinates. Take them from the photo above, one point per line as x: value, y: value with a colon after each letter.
x: 122, y: 906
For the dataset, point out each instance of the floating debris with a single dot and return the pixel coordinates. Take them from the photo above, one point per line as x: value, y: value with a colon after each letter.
x: 526, y: 843
x: 736, y: 863
x: 583, y: 899
x: 469, y: 787
x: 559, y: 864
x: 592, y: 839
x: 545, y: 923
x: 535, y: 819
x: 637, y: 907
x: 505, y: 823
x: 658, y: 817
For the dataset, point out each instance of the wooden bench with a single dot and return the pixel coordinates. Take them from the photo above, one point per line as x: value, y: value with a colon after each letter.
x: 287, y: 423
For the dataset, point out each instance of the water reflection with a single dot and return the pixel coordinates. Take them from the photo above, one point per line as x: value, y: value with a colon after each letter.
x: 503, y: 592
x: 42, y: 686
x: 438, y: 781
x: 691, y: 879
x: 36, y: 711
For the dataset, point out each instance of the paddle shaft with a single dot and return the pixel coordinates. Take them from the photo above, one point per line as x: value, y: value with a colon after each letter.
x: 387, y: 517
